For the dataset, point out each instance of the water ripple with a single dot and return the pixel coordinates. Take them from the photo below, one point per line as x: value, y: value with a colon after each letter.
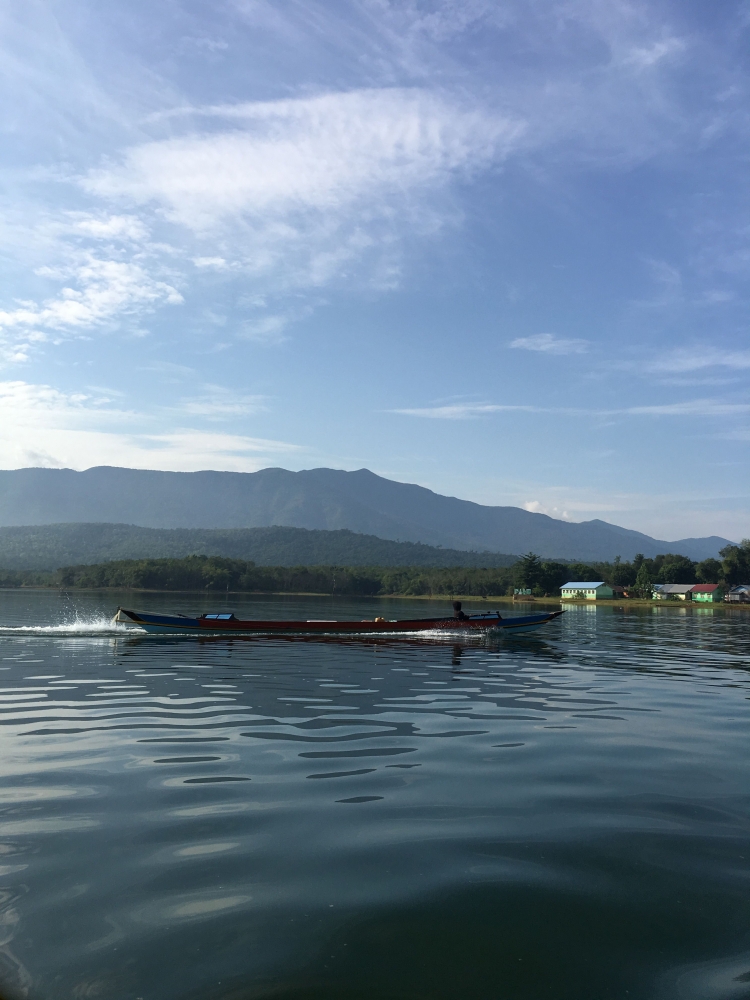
x: 225, y: 817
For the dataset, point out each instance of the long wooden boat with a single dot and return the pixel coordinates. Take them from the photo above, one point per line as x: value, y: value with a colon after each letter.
x: 228, y: 623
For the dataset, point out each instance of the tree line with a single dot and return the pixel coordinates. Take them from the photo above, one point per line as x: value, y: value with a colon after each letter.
x: 541, y: 577
x: 638, y: 576
x: 216, y: 573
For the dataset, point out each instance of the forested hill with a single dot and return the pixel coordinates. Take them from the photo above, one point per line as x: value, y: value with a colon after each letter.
x: 215, y: 573
x: 47, y: 547
x: 219, y: 573
x: 327, y: 499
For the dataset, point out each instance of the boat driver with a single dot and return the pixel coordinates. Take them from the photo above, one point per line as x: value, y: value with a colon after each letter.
x: 457, y: 612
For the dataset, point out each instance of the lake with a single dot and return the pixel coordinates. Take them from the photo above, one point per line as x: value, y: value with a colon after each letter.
x: 563, y: 814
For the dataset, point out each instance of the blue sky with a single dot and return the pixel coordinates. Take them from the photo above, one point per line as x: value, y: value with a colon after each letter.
x: 498, y: 249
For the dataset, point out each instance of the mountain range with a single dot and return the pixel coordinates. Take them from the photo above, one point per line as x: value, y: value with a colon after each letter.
x: 326, y: 499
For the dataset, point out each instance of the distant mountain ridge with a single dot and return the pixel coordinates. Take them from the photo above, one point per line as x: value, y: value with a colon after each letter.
x: 51, y: 546
x: 327, y: 499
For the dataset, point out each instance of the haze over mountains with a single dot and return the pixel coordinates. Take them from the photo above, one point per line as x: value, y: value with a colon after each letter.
x: 327, y: 499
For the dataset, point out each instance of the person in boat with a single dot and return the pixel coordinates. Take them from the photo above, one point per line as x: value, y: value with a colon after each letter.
x: 458, y: 613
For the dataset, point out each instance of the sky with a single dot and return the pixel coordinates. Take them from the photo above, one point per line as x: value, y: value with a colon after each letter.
x: 499, y: 249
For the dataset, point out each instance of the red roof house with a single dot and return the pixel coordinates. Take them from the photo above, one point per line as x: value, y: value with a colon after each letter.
x: 707, y: 592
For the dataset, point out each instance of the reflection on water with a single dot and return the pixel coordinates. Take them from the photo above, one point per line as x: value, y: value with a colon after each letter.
x: 560, y: 814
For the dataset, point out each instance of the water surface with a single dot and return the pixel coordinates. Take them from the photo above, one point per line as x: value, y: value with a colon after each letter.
x: 562, y: 814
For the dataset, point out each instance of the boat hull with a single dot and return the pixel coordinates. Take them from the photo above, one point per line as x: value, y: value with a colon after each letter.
x: 212, y: 626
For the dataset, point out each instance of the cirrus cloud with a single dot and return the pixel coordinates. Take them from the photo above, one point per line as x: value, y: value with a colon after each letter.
x: 685, y: 408
x: 321, y: 153
x: 460, y: 411
x: 690, y: 359
x: 547, y: 343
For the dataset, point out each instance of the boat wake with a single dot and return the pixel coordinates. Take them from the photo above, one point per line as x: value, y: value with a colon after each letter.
x: 80, y: 627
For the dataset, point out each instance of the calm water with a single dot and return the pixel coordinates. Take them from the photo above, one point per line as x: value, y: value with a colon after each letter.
x: 561, y: 815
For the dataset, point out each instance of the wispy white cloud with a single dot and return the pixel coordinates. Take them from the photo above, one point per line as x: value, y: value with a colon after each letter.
x: 267, y: 329
x: 219, y: 403
x: 547, y: 343
x: 687, y: 408
x: 106, y: 288
x: 25, y: 402
x: 648, y: 56
x: 45, y: 426
x: 187, y: 450
x: 109, y: 227
x: 95, y: 291
x: 537, y: 507
x: 204, y: 43
x: 170, y: 369
x: 16, y: 349
x: 696, y: 381
x: 322, y: 153
x: 690, y: 359
x: 460, y: 411
x: 104, y: 272
x: 212, y: 263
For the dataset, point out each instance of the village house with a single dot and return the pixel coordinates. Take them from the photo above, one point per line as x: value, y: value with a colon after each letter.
x: 739, y: 594
x: 589, y: 591
x: 707, y: 592
x: 672, y: 591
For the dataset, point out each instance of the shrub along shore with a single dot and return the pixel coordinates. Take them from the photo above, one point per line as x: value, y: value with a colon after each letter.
x: 542, y: 578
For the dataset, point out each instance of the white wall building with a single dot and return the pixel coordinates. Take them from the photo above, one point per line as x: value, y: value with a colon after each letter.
x: 590, y: 591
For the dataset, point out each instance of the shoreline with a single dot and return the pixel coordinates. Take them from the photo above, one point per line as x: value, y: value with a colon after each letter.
x: 620, y: 604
